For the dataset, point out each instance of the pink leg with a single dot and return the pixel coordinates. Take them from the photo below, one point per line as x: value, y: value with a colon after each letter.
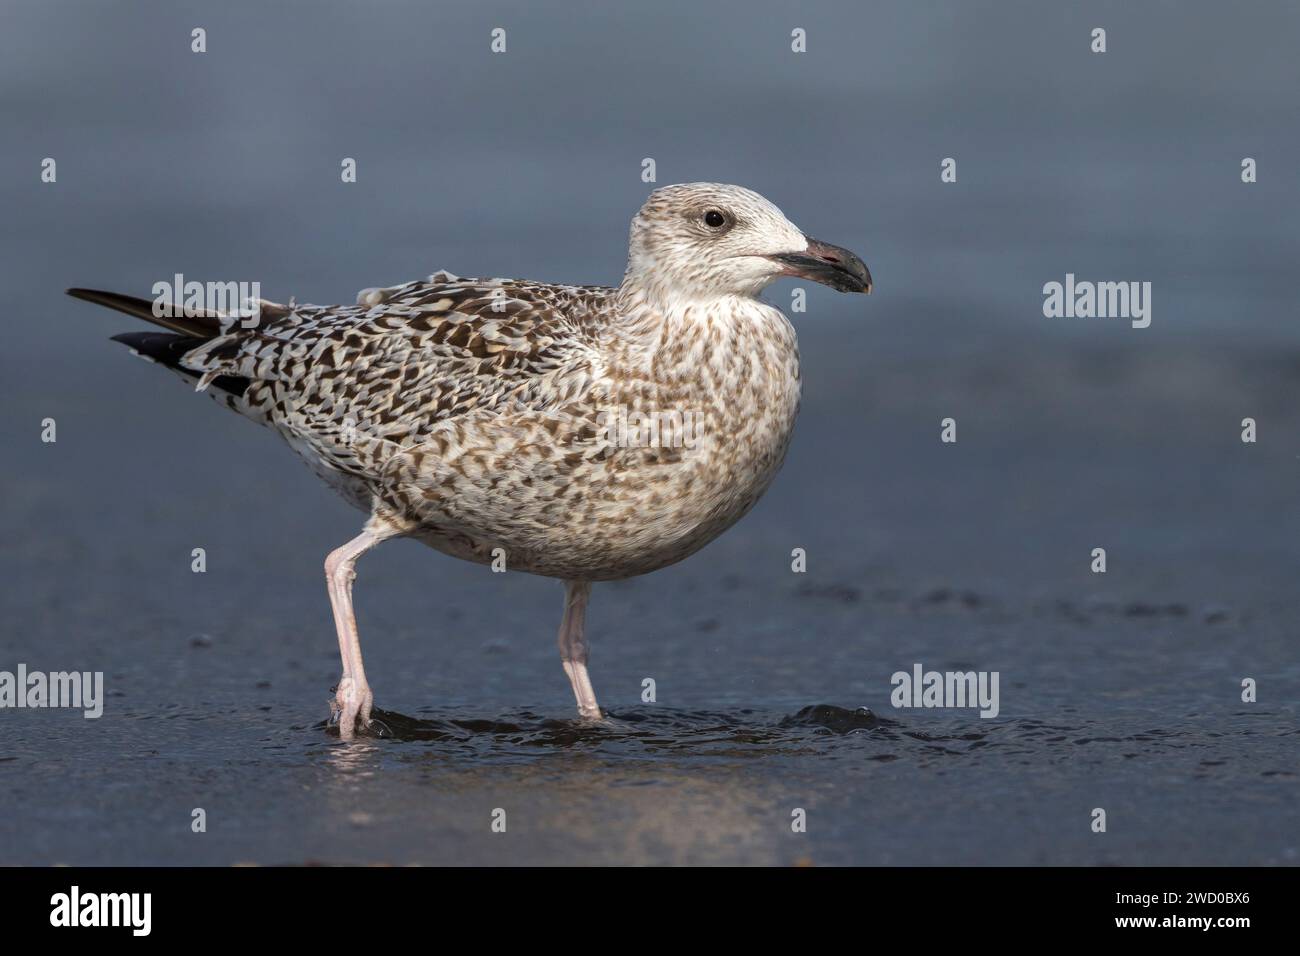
x: 573, y: 646
x: 353, y: 698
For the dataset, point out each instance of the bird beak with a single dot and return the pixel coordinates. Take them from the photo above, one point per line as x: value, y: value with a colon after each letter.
x: 827, y: 264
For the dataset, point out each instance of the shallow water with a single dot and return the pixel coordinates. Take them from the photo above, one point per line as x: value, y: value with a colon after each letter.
x: 1119, y: 691
x: 1186, y: 773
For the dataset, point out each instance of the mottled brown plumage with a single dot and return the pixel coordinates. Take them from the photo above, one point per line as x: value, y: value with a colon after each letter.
x: 487, y: 417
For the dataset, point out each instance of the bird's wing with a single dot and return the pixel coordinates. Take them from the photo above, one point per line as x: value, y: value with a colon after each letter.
x: 388, y: 371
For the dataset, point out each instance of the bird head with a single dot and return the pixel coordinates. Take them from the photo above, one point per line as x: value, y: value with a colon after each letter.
x: 704, y: 240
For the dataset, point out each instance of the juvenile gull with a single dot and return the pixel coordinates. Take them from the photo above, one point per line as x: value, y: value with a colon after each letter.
x: 487, y: 417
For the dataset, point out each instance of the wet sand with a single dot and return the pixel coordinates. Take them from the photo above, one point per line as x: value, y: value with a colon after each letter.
x: 1120, y: 691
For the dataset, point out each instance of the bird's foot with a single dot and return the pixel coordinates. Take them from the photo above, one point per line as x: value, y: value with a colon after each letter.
x: 588, y: 709
x: 351, y: 707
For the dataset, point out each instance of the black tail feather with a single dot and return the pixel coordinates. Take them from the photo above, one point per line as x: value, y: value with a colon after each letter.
x: 168, y: 349
x: 200, y: 325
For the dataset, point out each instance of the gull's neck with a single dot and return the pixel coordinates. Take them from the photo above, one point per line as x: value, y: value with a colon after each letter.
x: 659, y: 328
x: 651, y: 308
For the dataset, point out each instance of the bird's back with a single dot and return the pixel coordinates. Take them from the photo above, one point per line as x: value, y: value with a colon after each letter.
x: 355, y: 385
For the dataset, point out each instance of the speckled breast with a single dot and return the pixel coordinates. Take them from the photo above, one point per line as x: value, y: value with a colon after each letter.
x: 646, y: 470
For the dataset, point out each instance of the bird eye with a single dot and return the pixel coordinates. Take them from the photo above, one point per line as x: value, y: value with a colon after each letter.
x: 714, y: 219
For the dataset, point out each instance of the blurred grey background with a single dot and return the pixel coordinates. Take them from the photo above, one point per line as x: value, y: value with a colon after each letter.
x: 1119, y: 690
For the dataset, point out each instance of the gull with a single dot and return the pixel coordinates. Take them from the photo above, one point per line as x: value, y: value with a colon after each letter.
x: 532, y: 425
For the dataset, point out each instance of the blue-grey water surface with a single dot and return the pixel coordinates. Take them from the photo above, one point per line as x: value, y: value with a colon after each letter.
x: 1119, y: 691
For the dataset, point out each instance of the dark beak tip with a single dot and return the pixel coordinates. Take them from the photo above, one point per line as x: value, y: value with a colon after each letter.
x: 830, y: 265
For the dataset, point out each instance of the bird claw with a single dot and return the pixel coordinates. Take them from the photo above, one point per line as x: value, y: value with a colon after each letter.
x: 350, y: 707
